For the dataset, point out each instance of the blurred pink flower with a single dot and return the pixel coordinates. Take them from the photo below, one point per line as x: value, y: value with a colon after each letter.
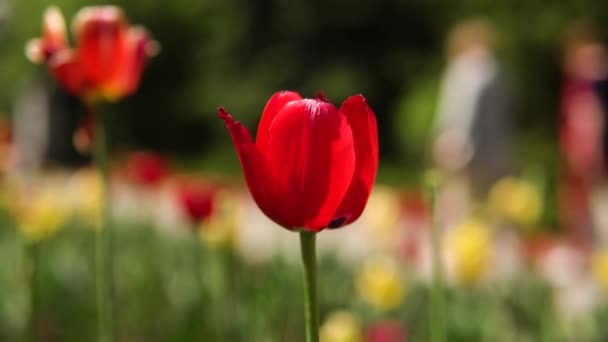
x: 147, y: 168
x: 386, y: 331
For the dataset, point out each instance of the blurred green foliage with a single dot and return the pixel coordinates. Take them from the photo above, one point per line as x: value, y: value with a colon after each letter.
x: 160, y: 298
x: 236, y: 53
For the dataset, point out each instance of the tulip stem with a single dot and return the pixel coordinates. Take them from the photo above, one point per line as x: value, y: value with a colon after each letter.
x: 437, y: 322
x: 311, y: 306
x: 103, y: 238
x: 31, y: 269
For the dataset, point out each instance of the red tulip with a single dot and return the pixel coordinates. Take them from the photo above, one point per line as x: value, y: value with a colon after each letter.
x: 147, y: 168
x: 312, y: 165
x: 196, y: 200
x: 109, y: 57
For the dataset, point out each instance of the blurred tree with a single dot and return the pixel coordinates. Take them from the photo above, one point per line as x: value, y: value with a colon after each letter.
x: 237, y: 52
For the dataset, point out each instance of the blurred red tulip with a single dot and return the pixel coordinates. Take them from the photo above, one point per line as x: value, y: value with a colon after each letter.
x: 147, y: 168
x: 196, y: 200
x: 312, y: 165
x: 386, y: 331
x: 109, y: 57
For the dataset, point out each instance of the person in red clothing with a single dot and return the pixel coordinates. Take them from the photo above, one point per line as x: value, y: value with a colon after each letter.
x: 582, y: 124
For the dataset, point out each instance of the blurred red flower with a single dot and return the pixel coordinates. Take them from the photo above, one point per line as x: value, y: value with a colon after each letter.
x: 312, y: 165
x: 386, y: 331
x: 196, y: 200
x: 109, y: 55
x: 147, y: 168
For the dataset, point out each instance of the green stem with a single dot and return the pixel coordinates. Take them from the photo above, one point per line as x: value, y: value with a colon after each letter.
x: 198, y: 312
x: 437, y: 310
x: 197, y: 251
x: 227, y: 267
x: 311, y: 306
x: 32, y: 273
x: 103, y: 240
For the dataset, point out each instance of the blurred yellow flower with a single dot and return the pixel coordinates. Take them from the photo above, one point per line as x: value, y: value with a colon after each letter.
x: 471, y: 245
x: 39, y: 213
x: 380, y: 284
x: 341, y: 326
x: 87, y: 196
x: 516, y: 200
x: 600, y: 268
x: 219, y: 229
x: 382, y: 215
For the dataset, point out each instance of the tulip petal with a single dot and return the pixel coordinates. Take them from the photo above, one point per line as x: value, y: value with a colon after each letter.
x: 362, y: 121
x: 53, y: 28
x: 273, y: 106
x: 65, y: 68
x: 40, y: 50
x: 34, y: 51
x: 137, y: 48
x: 100, y: 32
x: 264, y: 190
x: 310, y: 151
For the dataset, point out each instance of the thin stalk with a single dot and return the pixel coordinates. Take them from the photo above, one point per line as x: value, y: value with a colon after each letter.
x: 230, y: 292
x: 31, y: 265
x: 437, y: 310
x: 311, y: 306
x: 103, y: 240
x: 197, y: 251
x: 194, y: 327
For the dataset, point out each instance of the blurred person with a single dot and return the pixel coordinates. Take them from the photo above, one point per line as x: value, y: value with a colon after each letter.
x: 30, y: 125
x: 471, y: 140
x: 582, y: 121
x: 43, y: 120
x: 473, y: 120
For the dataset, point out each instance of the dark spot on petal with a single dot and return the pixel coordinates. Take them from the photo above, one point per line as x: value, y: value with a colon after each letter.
x: 337, y: 222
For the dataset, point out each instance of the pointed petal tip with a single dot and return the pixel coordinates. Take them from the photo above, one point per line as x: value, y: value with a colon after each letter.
x: 356, y: 101
x: 320, y: 95
x: 53, y: 15
x: 222, y: 113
